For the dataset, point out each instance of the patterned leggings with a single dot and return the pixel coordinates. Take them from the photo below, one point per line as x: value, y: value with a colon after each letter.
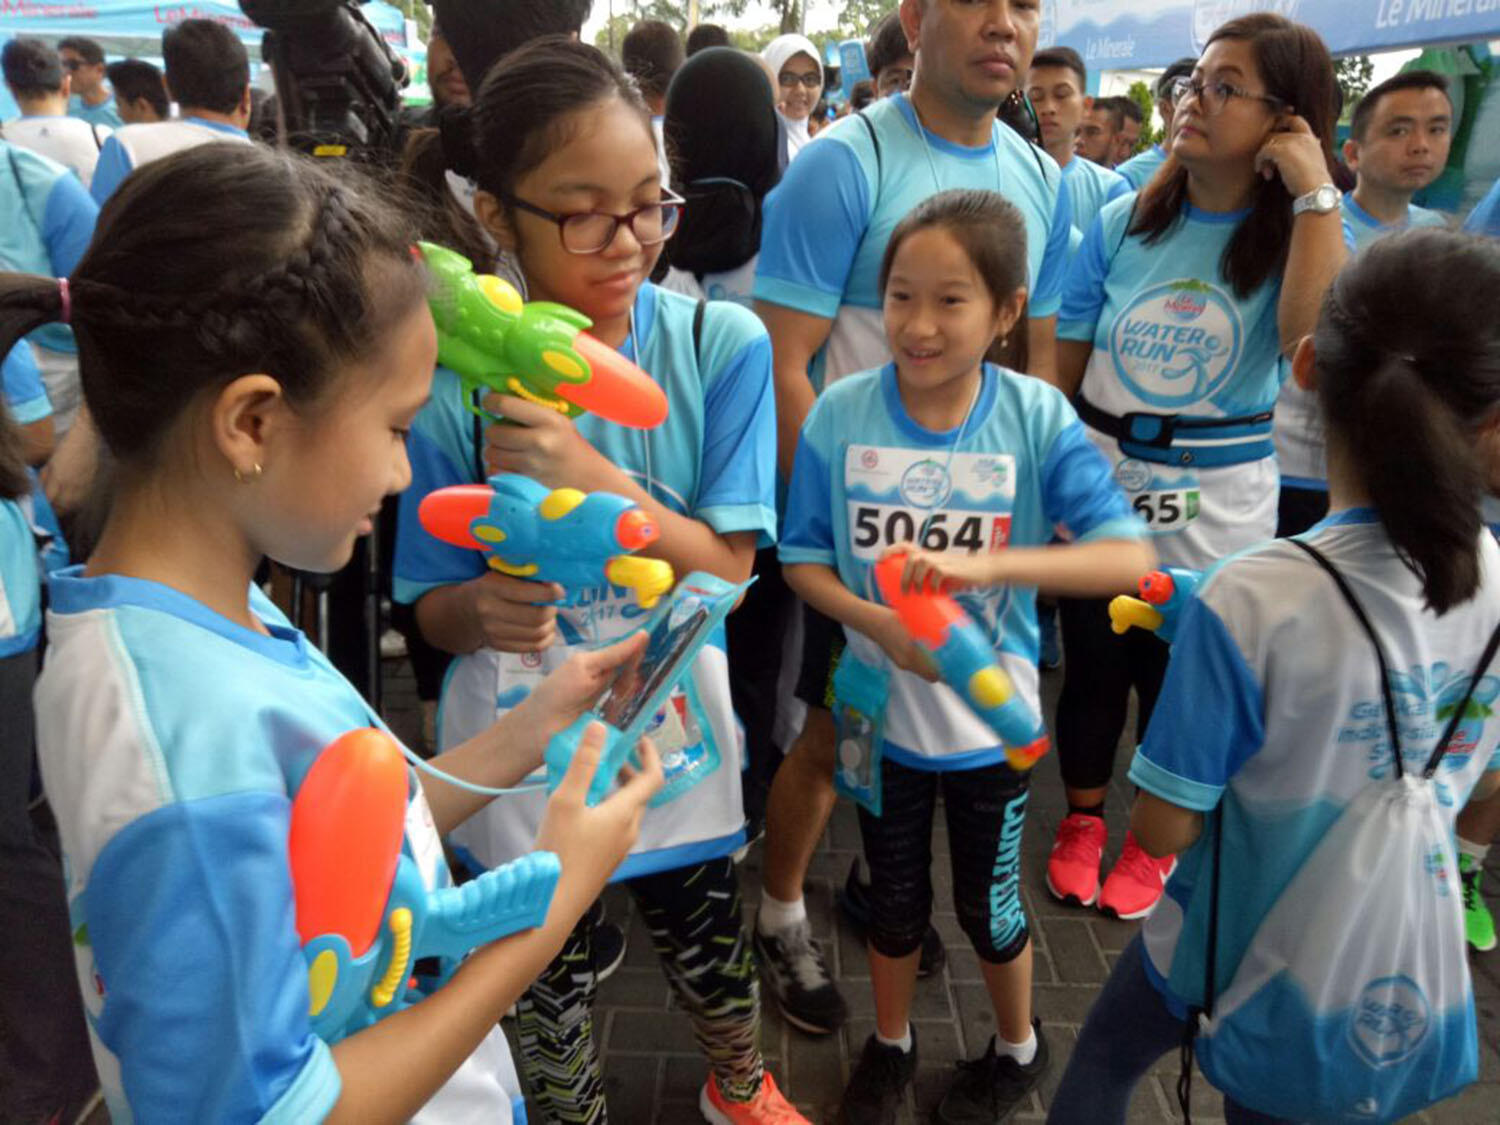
x: 693, y: 914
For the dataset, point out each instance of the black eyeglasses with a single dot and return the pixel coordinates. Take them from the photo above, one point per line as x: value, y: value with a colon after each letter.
x: 1214, y: 96
x: 72, y: 64
x: 812, y: 79
x: 588, y: 232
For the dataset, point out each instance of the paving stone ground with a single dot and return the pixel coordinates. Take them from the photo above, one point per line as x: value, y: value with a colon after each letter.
x: 653, y: 1071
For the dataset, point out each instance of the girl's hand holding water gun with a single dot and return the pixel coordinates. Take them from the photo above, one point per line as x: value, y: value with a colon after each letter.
x: 545, y: 446
x: 888, y: 632
x: 931, y: 572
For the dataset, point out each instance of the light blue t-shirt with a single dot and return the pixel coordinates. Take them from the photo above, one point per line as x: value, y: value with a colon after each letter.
x: 868, y: 475
x: 1485, y: 218
x: 48, y: 222
x: 713, y: 460
x: 1090, y: 187
x: 1271, y: 712
x: 1139, y: 169
x: 172, y: 741
x: 20, y: 581
x: 828, y: 222
x: 128, y: 148
x: 105, y: 113
x: 25, y: 396
x: 1367, y: 228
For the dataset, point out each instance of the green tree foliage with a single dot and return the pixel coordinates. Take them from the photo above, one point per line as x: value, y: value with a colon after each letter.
x: 1353, y: 74
x: 1141, y: 94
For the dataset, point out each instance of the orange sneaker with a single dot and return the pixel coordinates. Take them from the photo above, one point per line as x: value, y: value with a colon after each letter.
x: 768, y: 1107
x: 1136, y: 882
x: 1073, y: 867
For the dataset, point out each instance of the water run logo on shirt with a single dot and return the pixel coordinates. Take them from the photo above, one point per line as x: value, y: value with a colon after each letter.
x: 1390, y: 1020
x: 925, y: 485
x: 1177, y: 343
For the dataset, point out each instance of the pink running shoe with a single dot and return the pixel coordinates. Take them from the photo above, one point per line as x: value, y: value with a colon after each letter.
x: 1136, y: 882
x: 1073, y: 868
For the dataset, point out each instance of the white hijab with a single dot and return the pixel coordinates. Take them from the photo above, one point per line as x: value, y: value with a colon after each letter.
x: 776, y: 54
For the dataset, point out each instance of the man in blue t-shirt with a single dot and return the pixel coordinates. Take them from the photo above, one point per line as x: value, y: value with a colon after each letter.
x: 826, y: 229
x: 208, y: 75
x: 1398, y: 144
x: 1056, y: 86
x: 92, y: 100
x: 1139, y: 169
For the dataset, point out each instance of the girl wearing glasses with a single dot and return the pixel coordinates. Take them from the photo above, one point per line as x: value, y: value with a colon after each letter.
x: 799, y: 81
x: 568, y: 183
x: 1178, y: 307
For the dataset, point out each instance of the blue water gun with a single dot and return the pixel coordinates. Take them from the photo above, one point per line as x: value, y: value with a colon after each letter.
x: 579, y: 540
x: 364, y: 915
x: 966, y: 661
x: 1159, y: 608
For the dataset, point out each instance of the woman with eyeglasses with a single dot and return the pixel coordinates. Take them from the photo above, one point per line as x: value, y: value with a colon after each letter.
x: 1178, y: 307
x: 568, y: 183
x: 799, y: 84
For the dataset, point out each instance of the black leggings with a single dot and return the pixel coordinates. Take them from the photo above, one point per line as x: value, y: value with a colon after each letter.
x: 985, y: 810
x: 1100, y: 668
x: 693, y: 914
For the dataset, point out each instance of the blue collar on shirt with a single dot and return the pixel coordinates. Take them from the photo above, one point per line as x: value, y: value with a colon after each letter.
x: 920, y: 433
x: 71, y: 592
x: 1359, y: 214
x: 1344, y: 517
x: 942, y: 144
x: 217, y: 125
x: 1198, y: 215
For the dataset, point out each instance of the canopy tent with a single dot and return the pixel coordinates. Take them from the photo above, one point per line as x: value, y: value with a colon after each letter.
x: 1130, y: 34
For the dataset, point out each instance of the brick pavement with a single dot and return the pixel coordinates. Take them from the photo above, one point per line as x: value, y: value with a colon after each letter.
x: 653, y: 1072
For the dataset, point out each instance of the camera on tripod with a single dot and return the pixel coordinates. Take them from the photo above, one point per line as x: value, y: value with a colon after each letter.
x: 337, y: 80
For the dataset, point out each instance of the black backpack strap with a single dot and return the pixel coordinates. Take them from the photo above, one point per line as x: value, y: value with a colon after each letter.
x: 875, y: 141
x: 1458, y: 712
x: 698, y: 331
x: 1321, y: 559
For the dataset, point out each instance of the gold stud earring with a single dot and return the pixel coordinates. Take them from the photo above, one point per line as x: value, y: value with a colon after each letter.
x: 252, y: 476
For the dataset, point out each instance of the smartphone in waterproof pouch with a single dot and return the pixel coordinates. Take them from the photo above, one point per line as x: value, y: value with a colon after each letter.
x: 859, y: 696
x: 655, y: 696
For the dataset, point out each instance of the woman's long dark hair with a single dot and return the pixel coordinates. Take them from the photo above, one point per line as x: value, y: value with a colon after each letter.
x: 1297, y: 69
x: 1408, y: 367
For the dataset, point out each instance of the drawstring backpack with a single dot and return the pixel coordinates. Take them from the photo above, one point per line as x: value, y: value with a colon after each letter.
x: 1353, y: 1001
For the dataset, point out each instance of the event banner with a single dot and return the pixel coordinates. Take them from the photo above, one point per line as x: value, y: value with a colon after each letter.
x: 1132, y: 34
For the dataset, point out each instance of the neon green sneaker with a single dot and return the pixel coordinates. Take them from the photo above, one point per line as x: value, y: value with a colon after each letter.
x: 1479, y: 923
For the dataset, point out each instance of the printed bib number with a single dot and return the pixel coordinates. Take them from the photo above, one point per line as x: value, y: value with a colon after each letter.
x: 913, y: 496
x: 877, y: 526
x: 1167, y: 511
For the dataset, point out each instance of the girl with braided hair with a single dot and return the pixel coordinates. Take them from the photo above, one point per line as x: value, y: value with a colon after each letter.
x: 254, y: 344
x: 568, y: 183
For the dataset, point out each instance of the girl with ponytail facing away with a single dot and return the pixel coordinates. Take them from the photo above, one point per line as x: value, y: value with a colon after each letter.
x: 1275, y: 713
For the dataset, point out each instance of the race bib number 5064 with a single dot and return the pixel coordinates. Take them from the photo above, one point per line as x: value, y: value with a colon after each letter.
x: 904, y: 495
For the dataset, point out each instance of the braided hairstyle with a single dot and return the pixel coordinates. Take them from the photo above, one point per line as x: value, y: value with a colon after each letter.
x: 221, y: 261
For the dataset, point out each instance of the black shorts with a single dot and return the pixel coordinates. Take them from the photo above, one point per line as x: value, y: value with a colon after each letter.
x: 822, y: 645
x: 985, y: 809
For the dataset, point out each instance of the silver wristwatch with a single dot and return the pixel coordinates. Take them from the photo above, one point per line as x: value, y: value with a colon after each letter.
x: 1320, y: 201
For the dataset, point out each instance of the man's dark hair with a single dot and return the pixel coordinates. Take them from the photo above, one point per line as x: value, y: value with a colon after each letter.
x: 207, y: 67
x: 136, y: 78
x: 1116, y: 112
x: 32, y: 69
x: 887, y: 43
x: 1063, y: 58
x: 651, y: 54
x: 86, y: 49
x: 1131, y: 109
x: 1182, y: 68
x: 707, y: 35
x: 481, y: 32
x: 1364, y: 109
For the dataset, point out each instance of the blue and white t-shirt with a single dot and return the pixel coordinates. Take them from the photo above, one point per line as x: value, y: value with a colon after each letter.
x: 20, y: 581
x: 1271, y: 711
x: 714, y: 460
x: 828, y: 222
x: 1139, y: 169
x: 1090, y: 187
x: 1485, y: 218
x: 1367, y: 228
x: 1171, y: 337
x: 105, y: 113
x: 135, y: 145
x: 172, y: 742
x: 65, y: 139
x: 867, y: 475
x: 25, y: 396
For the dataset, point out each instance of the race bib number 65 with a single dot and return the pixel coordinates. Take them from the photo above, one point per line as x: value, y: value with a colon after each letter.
x: 904, y: 495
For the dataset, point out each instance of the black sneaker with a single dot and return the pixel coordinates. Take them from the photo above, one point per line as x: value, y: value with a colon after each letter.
x: 876, y: 1088
x: 797, y: 976
x: 988, y: 1088
x: 853, y: 900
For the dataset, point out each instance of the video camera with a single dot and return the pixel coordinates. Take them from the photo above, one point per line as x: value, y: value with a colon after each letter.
x: 337, y: 80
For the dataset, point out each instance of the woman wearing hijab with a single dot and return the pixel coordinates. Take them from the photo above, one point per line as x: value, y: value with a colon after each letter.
x: 722, y: 133
x: 799, y: 80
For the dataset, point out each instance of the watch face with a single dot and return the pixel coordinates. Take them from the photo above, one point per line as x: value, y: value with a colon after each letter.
x: 1326, y: 198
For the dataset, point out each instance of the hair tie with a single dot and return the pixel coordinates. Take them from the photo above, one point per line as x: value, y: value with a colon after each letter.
x: 67, y: 300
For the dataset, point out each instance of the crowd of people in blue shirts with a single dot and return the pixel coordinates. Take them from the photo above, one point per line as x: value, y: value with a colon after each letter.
x: 963, y: 322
